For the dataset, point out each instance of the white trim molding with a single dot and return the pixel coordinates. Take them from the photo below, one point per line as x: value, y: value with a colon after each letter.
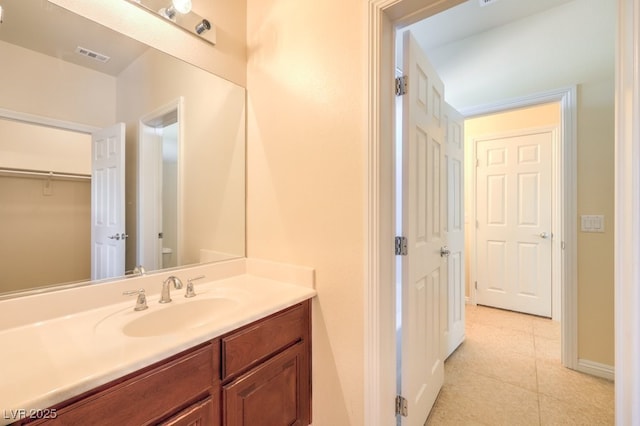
x: 596, y: 369
x: 378, y: 391
x: 41, y: 120
x: 384, y: 17
x: 627, y: 214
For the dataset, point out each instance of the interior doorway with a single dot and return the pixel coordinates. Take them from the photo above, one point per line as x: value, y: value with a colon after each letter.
x: 386, y: 16
x: 514, y: 210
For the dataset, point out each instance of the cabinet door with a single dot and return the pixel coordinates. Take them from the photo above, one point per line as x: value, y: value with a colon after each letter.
x: 275, y: 393
x: 203, y: 413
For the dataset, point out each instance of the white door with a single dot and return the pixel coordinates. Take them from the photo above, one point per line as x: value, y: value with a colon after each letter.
x: 108, y: 234
x: 423, y: 211
x: 514, y: 192
x: 453, y: 317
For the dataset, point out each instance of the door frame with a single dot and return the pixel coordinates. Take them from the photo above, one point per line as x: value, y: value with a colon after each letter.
x: 153, y: 120
x: 383, y: 17
x: 564, y: 215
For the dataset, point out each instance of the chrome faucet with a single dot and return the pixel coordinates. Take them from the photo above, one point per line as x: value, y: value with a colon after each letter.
x: 165, y: 297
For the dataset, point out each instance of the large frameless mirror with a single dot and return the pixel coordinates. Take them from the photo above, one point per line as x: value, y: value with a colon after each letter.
x: 112, y: 155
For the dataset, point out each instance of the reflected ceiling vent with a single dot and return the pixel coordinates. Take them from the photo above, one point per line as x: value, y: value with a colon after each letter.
x: 91, y: 54
x: 486, y: 2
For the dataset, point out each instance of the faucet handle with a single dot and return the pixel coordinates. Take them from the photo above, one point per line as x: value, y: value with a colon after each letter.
x: 139, y: 270
x: 141, y: 302
x: 190, y: 292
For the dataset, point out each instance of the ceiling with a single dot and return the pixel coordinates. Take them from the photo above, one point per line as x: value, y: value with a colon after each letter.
x: 470, y: 18
x: 46, y: 28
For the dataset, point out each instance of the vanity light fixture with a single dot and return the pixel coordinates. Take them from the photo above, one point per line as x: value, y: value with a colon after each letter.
x: 177, y: 6
x: 180, y: 13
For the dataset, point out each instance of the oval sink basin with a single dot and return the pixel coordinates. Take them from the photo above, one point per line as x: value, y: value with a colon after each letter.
x: 177, y: 317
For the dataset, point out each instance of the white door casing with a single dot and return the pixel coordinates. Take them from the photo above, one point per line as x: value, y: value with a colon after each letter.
x: 108, y: 233
x: 423, y: 269
x: 149, y: 197
x: 455, y: 289
x: 150, y: 184
x: 384, y: 17
x: 514, y: 221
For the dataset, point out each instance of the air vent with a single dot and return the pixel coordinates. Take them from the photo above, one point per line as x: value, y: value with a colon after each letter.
x: 486, y: 2
x: 91, y: 54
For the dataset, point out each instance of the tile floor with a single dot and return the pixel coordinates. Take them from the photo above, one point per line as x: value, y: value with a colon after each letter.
x: 508, y: 372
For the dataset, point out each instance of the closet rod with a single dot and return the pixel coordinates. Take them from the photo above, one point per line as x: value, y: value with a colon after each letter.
x: 42, y: 173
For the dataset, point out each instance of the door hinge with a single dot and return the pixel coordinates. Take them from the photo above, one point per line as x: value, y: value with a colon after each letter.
x: 401, y: 85
x: 477, y: 162
x: 476, y: 285
x: 401, y: 246
x: 401, y: 406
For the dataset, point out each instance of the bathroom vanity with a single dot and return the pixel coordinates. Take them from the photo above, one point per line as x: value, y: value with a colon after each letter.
x: 247, y: 363
x: 259, y: 374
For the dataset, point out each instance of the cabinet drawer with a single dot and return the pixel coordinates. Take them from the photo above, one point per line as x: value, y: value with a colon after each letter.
x: 202, y: 413
x: 150, y: 396
x: 243, y: 349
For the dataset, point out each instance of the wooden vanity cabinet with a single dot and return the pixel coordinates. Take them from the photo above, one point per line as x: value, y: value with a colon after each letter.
x: 259, y: 374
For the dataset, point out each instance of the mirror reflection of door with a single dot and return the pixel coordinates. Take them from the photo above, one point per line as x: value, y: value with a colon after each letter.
x: 158, y: 192
x: 108, y: 233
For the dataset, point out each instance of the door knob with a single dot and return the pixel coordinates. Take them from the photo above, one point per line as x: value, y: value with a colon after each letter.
x: 544, y: 235
x: 444, y: 251
x: 114, y: 237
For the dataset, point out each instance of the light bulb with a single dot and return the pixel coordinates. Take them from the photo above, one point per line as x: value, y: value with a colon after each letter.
x: 182, y: 6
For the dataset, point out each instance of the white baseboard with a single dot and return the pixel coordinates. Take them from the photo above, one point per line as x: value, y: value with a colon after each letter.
x: 596, y: 369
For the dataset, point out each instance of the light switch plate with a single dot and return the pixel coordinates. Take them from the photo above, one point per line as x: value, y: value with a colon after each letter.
x: 592, y: 223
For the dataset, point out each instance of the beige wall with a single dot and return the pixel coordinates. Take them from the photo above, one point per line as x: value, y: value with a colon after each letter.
x: 34, y: 147
x: 46, y: 86
x: 306, y: 175
x: 45, y: 238
x: 213, y: 150
x: 306, y: 152
x: 596, y: 196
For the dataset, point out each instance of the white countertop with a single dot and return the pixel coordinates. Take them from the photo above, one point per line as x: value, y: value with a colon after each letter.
x: 46, y: 362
